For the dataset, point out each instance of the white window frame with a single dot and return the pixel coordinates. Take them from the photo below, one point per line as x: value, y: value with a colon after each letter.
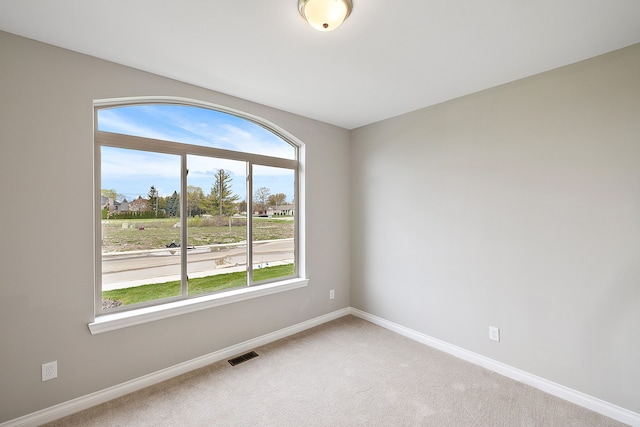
x: 161, y: 309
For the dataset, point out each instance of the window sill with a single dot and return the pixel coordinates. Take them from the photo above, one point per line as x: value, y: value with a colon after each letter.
x: 110, y: 322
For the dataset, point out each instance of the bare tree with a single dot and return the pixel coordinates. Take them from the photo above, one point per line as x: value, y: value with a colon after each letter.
x: 261, y: 197
x: 277, y: 199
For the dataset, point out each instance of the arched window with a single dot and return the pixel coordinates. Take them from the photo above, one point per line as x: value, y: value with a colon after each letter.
x: 191, y: 200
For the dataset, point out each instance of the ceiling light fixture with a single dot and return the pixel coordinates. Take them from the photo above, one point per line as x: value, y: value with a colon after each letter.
x: 325, y: 15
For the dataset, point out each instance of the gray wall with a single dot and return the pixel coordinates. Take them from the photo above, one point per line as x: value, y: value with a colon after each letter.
x: 46, y: 246
x: 516, y: 207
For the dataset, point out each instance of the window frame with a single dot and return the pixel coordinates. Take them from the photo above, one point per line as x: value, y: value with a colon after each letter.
x: 140, y: 313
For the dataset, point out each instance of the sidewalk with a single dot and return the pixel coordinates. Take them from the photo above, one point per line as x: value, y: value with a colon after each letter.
x: 193, y: 275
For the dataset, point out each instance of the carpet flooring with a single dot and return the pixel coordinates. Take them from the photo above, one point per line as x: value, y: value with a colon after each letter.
x: 347, y: 372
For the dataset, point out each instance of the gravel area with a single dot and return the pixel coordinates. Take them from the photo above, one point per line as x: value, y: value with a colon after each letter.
x: 110, y: 303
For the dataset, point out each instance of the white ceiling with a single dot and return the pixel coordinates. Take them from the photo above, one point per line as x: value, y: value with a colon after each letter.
x: 388, y: 58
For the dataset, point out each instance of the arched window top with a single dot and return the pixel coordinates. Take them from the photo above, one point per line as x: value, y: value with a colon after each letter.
x: 195, y: 125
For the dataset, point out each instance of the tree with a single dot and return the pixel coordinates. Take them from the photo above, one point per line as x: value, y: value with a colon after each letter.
x: 173, y: 204
x: 162, y: 204
x: 109, y: 193
x: 261, y: 197
x: 221, y: 197
x: 242, y: 206
x: 277, y: 199
x: 195, y: 200
x: 153, y: 199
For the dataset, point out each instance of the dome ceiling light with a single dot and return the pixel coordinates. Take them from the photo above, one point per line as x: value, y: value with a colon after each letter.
x: 325, y: 15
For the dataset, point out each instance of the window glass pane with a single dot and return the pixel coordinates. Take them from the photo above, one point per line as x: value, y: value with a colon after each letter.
x: 144, y: 258
x: 140, y: 209
x: 273, y: 223
x: 216, y: 226
x: 194, y: 125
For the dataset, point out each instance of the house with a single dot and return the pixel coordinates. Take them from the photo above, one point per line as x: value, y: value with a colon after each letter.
x: 517, y: 206
x: 286, y: 209
x: 139, y: 205
x: 107, y: 202
x: 123, y: 206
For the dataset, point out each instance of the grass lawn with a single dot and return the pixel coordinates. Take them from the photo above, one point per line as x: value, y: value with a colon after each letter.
x: 218, y: 282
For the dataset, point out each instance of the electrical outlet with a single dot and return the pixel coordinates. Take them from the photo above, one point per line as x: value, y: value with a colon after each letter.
x: 332, y: 294
x: 494, y: 333
x: 49, y: 370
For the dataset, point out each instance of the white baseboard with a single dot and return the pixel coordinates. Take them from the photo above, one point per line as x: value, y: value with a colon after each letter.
x: 573, y: 396
x: 93, y: 399
x: 84, y: 402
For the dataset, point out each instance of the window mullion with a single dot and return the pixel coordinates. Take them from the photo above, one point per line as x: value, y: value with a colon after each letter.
x: 249, y: 223
x: 183, y: 225
x: 156, y: 145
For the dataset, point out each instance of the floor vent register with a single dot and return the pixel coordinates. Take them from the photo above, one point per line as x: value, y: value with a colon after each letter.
x: 243, y: 358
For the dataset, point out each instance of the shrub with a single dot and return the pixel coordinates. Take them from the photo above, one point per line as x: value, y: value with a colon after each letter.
x: 132, y: 214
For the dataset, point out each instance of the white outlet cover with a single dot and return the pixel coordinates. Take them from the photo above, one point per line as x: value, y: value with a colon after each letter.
x: 494, y: 333
x: 49, y: 370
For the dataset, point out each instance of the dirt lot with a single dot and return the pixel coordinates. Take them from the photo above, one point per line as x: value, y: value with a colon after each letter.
x: 128, y: 235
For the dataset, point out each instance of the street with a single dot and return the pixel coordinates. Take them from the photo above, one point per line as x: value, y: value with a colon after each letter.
x: 144, y: 267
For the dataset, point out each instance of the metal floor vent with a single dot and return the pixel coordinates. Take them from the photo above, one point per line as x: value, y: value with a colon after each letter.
x: 243, y: 358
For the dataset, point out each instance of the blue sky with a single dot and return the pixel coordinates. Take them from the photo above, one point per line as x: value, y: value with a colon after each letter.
x: 131, y: 172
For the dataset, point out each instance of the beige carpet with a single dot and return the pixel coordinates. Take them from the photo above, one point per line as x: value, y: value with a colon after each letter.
x: 347, y: 372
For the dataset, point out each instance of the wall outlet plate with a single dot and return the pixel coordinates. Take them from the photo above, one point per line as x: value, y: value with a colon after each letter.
x: 332, y: 294
x: 49, y: 370
x: 494, y: 333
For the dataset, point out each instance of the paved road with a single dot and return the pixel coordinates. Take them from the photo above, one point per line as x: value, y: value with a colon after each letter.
x: 144, y: 267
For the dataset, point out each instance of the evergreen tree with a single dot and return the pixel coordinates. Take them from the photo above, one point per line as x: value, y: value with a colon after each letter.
x: 221, y: 197
x: 173, y: 205
x: 153, y: 199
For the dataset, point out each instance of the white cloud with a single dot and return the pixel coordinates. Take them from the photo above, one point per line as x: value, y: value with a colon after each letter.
x: 117, y: 162
x: 113, y: 121
x: 205, y: 166
x: 196, y: 126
